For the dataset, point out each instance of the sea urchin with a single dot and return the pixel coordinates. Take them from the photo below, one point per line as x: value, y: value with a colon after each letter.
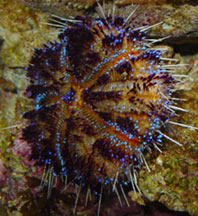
x: 101, y: 95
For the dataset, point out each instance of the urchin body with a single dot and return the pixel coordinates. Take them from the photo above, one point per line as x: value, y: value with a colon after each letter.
x: 101, y: 95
